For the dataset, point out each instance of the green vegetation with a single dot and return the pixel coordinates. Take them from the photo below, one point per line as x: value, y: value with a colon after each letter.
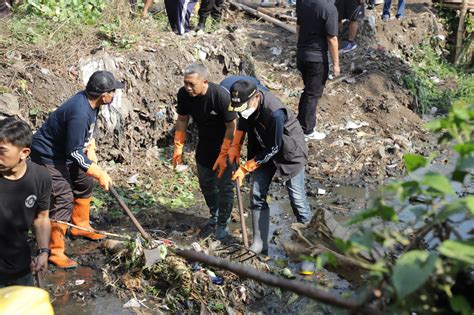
x: 434, y: 82
x: 425, y: 266
x: 173, y: 190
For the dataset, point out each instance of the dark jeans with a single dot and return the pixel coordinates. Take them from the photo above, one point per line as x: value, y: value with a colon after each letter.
x: 261, y: 180
x: 218, y: 192
x: 179, y: 12
x: 211, y: 7
x: 68, y: 183
x: 26, y: 280
x: 400, y: 8
x: 315, y: 75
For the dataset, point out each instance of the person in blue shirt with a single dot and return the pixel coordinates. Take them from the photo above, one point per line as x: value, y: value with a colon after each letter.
x: 65, y: 146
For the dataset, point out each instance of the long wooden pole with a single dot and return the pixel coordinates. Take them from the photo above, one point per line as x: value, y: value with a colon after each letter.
x: 241, y: 215
x: 274, y: 281
x: 276, y: 15
x: 460, y: 33
x: 130, y: 214
x: 265, y: 17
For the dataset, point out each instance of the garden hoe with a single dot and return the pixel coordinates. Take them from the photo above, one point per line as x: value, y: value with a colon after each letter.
x: 155, y: 251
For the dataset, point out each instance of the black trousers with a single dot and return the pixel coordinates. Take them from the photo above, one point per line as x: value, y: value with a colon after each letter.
x: 211, y: 7
x: 315, y: 75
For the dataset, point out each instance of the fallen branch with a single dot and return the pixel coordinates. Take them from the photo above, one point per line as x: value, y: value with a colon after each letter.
x: 294, y: 286
x: 277, y: 15
x: 265, y: 17
x: 92, y: 230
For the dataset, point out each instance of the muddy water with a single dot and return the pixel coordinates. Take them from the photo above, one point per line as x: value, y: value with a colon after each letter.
x: 80, y: 291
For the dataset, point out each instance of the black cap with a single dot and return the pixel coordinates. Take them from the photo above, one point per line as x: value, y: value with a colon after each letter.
x: 240, y: 92
x: 103, y: 81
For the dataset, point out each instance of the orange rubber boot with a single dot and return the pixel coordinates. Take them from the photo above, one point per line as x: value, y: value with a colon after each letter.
x: 56, y: 244
x: 80, y: 217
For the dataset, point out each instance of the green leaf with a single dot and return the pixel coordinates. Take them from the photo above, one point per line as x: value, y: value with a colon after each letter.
x: 438, y: 183
x: 98, y: 202
x: 364, y: 240
x: 414, y: 161
x: 434, y: 125
x: 469, y: 201
x: 460, y: 305
x: 458, y: 250
x: 465, y: 162
x: 464, y: 148
x: 459, y: 176
x: 378, y: 210
x: 411, y: 271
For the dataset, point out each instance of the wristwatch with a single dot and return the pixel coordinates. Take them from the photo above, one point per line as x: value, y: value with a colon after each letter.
x: 44, y: 250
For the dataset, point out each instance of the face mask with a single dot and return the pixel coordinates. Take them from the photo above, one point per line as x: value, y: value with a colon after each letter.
x: 247, y: 113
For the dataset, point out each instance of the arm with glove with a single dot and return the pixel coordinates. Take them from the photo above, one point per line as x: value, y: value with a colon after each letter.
x: 275, y: 130
x: 221, y: 162
x: 179, y: 138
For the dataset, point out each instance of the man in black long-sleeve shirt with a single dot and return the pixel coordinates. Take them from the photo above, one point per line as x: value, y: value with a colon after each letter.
x: 64, y: 145
x: 275, y: 142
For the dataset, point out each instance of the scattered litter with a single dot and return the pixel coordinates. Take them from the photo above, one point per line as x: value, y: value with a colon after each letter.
x: 321, y: 191
x: 132, y: 303
x: 243, y: 293
x: 276, y: 51
x: 354, y: 125
x: 79, y: 282
x: 196, y: 266
x: 44, y: 71
x: 196, y: 247
x: 349, y: 80
x: 181, y: 168
x: 287, y: 273
x: 133, y: 179
x: 215, y: 279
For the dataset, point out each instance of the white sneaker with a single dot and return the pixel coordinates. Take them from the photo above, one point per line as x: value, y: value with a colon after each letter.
x: 315, y: 136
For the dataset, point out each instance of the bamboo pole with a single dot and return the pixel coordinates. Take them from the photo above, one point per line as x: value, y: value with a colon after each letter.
x: 276, y: 15
x: 92, y: 230
x: 274, y: 281
x: 265, y: 17
x: 460, y: 33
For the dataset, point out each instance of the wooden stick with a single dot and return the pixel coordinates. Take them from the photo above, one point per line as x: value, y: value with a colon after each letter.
x: 130, y: 215
x: 295, y: 286
x: 265, y: 17
x: 241, y: 214
x: 276, y: 15
x: 92, y: 230
x: 460, y: 33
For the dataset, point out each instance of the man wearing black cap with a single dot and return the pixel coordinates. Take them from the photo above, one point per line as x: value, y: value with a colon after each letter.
x: 64, y: 145
x: 275, y: 142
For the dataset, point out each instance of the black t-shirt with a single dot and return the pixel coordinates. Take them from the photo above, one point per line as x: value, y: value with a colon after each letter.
x: 210, y: 114
x: 20, y: 201
x: 317, y: 20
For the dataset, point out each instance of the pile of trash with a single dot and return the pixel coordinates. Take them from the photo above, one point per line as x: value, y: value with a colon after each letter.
x: 178, y: 284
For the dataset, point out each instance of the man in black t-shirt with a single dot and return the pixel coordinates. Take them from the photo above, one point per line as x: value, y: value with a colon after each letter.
x: 207, y: 104
x: 317, y: 29
x: 25, y: 190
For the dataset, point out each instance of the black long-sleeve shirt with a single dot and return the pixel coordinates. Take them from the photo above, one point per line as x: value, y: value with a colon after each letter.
x: 274, y: 129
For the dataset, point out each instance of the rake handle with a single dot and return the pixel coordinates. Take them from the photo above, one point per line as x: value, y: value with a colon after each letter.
x: 130, y: 214
x: 241, y: 214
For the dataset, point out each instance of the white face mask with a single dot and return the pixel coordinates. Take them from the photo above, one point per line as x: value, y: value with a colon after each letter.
x: 248, y: 112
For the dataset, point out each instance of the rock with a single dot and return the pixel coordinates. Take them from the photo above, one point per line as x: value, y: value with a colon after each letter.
x: 9, y: 105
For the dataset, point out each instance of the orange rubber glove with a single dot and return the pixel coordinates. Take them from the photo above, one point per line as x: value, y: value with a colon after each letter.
x: 98, y: 173
x: 248, y: 167
x: 221, y: 162
x: 236, y: 147
x: 90, y: 151
x: 179, y: 138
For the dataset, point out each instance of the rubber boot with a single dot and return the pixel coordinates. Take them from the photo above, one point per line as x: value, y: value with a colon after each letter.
x: 56, y: 244
x: 223, y: 219
x: 80, y: 217
x: 202, y: 23
x: 261, y: 227
x: 212, y: 221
